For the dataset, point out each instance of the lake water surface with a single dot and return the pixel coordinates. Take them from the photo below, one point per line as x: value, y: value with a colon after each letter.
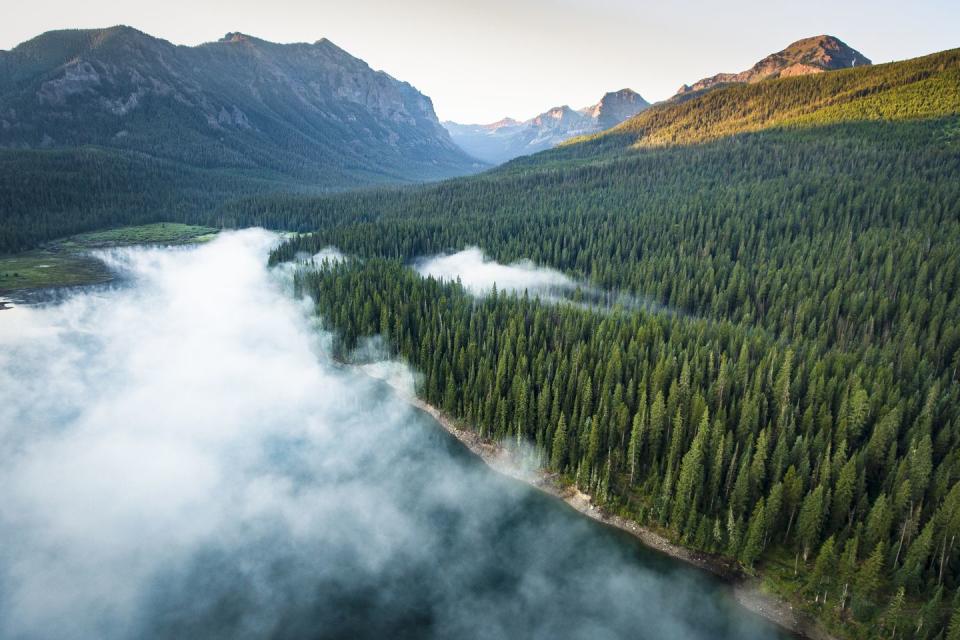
x: 180, y: 458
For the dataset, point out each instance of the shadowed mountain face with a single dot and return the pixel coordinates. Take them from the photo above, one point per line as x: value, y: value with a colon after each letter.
x: 803, y: 57
x: 509, y: 138
x: 309, y: 112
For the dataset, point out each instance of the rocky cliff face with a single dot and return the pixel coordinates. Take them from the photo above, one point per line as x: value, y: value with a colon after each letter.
x: 306, y: 109
x: 810, y: 55
x: 615, y: 107
x: 508, y: 138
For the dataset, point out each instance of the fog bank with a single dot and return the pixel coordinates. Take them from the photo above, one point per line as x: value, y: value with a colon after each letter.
x: 180, y: 458
x: 478, y: 273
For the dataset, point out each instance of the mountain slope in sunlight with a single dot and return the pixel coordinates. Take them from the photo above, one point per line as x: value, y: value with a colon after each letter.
x: 803, y: 57
x: 927, y: 87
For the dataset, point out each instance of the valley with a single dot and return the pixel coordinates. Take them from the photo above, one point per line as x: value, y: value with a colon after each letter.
x: 722, y: 328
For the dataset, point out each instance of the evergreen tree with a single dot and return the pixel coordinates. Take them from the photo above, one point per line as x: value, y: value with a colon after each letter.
x: 559, y: 449
x: 756, y: 531
x: 810, y: 520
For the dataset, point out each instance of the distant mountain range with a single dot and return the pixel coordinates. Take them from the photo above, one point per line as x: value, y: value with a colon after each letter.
x: 803, y: 57
x: 306, y: 112
x: 926, y: 88
x: 508, y: 138
x: 112, y: 126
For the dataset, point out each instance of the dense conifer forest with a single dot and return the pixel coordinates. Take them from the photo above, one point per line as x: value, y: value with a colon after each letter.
x: 732, y: 441
x: 794, y: 403
x: 789, y: 395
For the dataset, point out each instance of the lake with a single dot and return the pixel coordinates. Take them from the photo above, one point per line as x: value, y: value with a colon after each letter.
x: 179, y: 457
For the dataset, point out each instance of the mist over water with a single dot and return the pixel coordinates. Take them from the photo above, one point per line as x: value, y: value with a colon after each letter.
x: 180, y: 458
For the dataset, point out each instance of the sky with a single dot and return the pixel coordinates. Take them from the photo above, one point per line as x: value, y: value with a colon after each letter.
x: 481, y: 61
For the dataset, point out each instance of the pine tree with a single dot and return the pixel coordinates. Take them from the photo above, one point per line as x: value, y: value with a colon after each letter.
x: 929, y: 617
x: 848, y: 568
x: 658, y: 417
x: 878, y: 521
x: 558, y: 451
x: 910, y: 574
x: 691, y: 475
x: 792, y: 494
x: 953, y: 629
x: 756, y: 531
x: 843, y: 495
x: 868, y: 579
x: 825, y: 565
x: 810, y: 520
x: 734, y: 533
x: 636, y: 436
x: 891, y: 616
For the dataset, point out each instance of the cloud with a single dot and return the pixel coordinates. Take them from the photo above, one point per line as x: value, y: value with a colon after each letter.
x: 478, y: 273
x: 372, y: 357
x: 179, y: 457
x: 330, y: 255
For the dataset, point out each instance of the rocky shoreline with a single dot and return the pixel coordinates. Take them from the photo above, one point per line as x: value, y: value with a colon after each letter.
x: 746, y: 589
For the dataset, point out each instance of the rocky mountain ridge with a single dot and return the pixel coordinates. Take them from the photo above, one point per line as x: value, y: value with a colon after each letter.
x: 803, y: 57
x: 508, y: 138
x: 307, y: 110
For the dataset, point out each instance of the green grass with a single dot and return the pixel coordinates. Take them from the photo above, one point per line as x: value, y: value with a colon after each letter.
x: 66, y: 262
x: 159, y: 233
x: 40, y: 269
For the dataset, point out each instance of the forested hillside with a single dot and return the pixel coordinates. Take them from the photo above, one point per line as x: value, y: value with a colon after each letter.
x: 106, y: 126
x: 47, y: 194
x: 795, y: 405
x: 920, y: 88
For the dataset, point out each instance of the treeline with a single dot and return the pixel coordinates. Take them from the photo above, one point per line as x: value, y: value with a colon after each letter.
x: 48, y: 194
x: 841, y: 237
x: 735, y: 442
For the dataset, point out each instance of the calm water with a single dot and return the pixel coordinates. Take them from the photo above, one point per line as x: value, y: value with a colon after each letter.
x: 180, y: 459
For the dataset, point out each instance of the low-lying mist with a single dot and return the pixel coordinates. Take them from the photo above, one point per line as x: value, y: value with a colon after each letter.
x: 179, y: 458
x: 478, y: 273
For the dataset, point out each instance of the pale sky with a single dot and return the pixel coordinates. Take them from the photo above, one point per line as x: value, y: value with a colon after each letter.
x: 481, y: 61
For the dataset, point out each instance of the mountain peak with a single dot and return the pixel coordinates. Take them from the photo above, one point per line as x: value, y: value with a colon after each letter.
x: 242, y: 99
x: 236, y: 36
x: 558, y: 117
x: 508, y: 138
x: 809, y: 55
x: 615, y: 107
x: 823, y: 52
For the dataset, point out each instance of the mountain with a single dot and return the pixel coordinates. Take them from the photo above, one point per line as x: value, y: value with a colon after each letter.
x: 508, y: 138
x: 306, y: 112
x: 615, y: 107
x: 927, y: 87
x: 803, y: 57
